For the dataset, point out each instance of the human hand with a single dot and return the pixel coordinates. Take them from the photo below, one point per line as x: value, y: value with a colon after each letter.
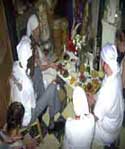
x: 90, y: 98
x: 53, y: 65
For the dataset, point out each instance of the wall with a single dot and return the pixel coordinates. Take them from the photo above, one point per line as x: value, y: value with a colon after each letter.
x: 5, y: 65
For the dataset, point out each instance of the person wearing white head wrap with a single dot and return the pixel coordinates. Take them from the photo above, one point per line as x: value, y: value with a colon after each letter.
x: 33, y: 99
x: 32, y: 24
x: 44, y: 61
x: 24, y: 51
x: 39, y: 82
x: 21, y: 85
x: 79, y: 131
x: 108, y: 108
x: 109, y: 55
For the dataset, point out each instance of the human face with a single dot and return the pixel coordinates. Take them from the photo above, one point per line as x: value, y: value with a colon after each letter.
x: 106, y: 68
x: 36, y: 34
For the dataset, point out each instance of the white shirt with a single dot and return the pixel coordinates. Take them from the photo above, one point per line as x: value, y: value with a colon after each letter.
x: 79, y: 133
x: 26, y: 96
x: 49, y: 74
x: 109, y: 110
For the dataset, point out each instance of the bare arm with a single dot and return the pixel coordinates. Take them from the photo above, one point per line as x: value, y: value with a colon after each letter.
x: 91, y: 99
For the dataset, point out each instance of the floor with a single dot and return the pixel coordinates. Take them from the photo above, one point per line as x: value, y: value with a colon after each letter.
x: 54, y: 141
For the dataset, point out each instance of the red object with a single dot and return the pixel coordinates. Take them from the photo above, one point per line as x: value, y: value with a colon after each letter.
x: 70, y: 46
x: 77, y: 117
x: 82, y: 77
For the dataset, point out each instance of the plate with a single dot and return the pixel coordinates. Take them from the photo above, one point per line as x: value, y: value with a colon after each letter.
x: 92, y: 86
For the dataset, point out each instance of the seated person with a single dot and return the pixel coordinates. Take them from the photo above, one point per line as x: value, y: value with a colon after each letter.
x: 10, y: 136
x: 42, y: 53
x: 79, y: 131
x: 108, y: 103
x: 22, y: 88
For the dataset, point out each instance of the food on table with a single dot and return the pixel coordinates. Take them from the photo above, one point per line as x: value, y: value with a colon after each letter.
x: 89, y: 87
x: 60, y: 66
x: 82, y: 77
x: 101, y: 74
x: 96, y: 84
x: 72, y: 80
x: 73, y: 60
x: 68, y: 66
x: 93, y: 86
x: 94, y: 73
x: 66, y: 56
x: 82, y: 68
x: 65, y: 73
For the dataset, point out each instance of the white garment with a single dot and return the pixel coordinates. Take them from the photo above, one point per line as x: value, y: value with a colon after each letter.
x: 26, y: 96
x: 32, y: 24
x: 79, y: 132
x: 109, y: 110
x: 24, y: 51
x: 49, y: 74
x: 109, y: 55
x: 80, y: 102
x: 109, y: 103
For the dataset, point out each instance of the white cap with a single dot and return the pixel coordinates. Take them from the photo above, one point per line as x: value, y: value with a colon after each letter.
x: 32, y: 24
x: 24, y: 51
x: 109, y: 55
x: 80, y: 102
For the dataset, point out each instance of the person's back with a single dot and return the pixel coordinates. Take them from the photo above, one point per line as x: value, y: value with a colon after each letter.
x: 79, y: 131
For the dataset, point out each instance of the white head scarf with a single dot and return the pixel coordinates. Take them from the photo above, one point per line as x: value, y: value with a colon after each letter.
x: 80, y: 102
x: 109, y: 55
x: 24, y: 51
x: 32, y: 24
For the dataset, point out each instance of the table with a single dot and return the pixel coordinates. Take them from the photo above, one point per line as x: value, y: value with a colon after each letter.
x: 91, y: 77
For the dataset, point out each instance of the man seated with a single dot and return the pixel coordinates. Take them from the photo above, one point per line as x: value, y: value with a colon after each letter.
x: 79, y: 131
x: 108, y: 103
x: 43, y: 53
x: 34, y: 101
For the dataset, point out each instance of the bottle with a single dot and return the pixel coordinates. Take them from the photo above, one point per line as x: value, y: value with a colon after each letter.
x: 96, y: 63
x: 88, y: 68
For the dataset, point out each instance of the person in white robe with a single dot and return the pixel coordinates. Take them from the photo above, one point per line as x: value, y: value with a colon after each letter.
x: 109, y: 107
x: 22, y: 89
x: 79, y: 131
